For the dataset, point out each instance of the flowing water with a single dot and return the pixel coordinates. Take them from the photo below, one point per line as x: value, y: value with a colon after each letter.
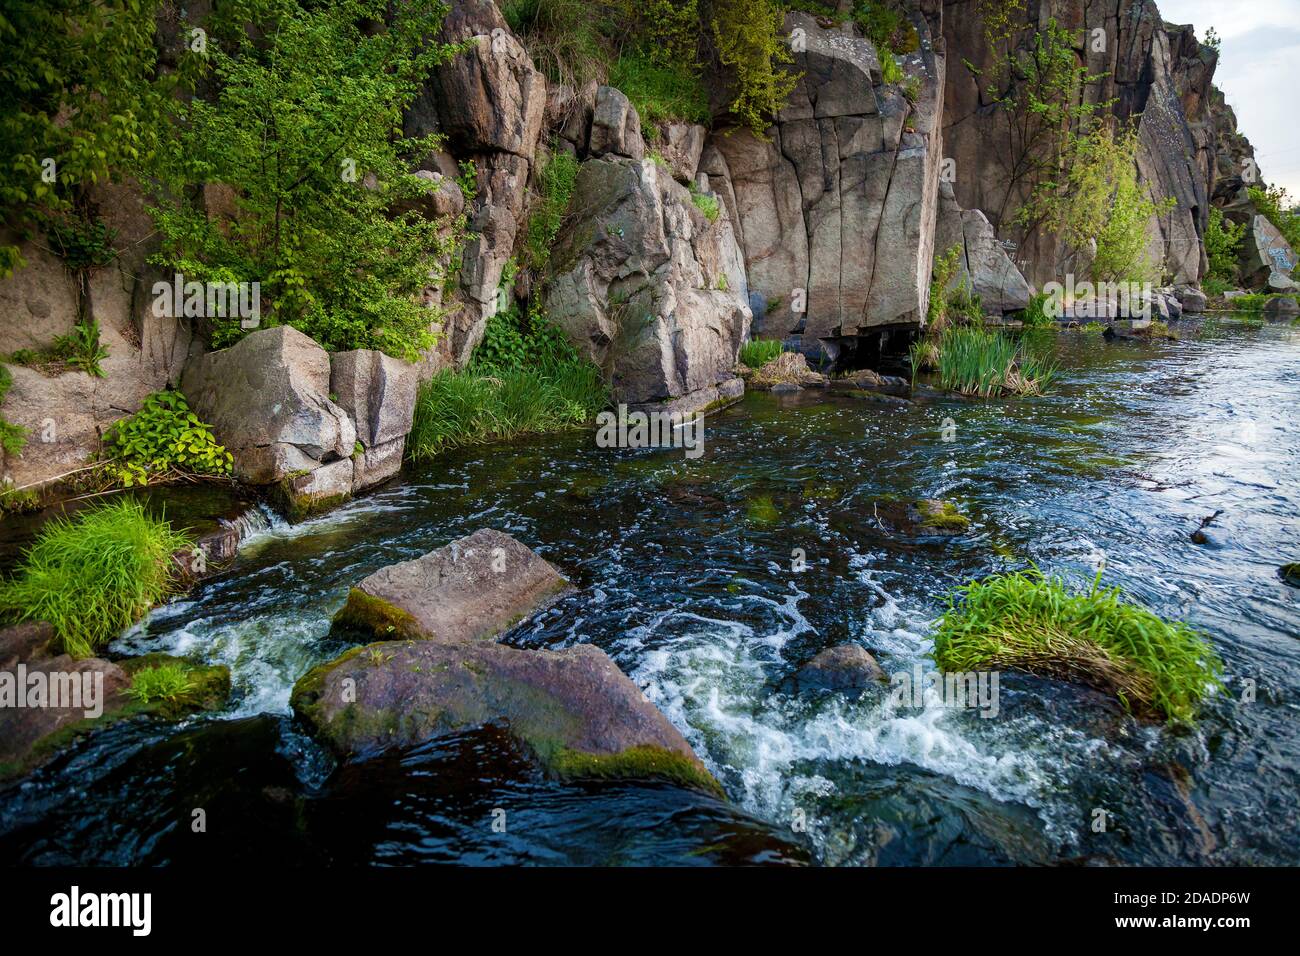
x: 687, y: 574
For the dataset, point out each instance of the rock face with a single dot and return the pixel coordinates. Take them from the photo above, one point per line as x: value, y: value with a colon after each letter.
x: 378, y: 392
x: 66, y: 413
x: 982, y: 264
x: 836, y: 212
x: 1155, y: 73
x: 573, y: 709
x: 472, y: 589
x: 267, y: 399
x: 615, y: 126
x: 645, y: 284
x: 846, y: 667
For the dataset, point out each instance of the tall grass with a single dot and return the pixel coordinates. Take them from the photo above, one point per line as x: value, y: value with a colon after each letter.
x: 758, y: 352
x: 975, y: 361
x: 1026, y: 621
x: 661, y: 91
x: 94, y: 575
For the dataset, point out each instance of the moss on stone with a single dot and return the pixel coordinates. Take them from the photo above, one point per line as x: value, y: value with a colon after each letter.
x: 372, y: 615
x: 942, y: 516
x: 634, y: 763
x: 1290, y: 573
x: 209, y: 684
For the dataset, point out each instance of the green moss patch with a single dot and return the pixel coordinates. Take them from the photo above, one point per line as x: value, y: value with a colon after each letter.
x: 368, y: 614
x: 171, y: 686
x: 634, y: 763
x: 942, y: 516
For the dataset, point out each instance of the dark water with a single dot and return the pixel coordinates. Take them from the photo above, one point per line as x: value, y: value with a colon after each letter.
x: 684, y: 574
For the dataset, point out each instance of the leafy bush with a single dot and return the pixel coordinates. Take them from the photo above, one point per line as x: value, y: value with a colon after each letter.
x: 887, y: 27
x: 661, y: 92
x: 81, y: 348
x: 1034, y: 315
x: 1222, y: 247
x: 163, y: 439
x: 13, y: 437
x: 555, y: 188
x: 751, y: 46
x: 758, y: 352
x: 332, y: 228
x: 1274, y: 205
x: 167, y: 683
x: 94, y: 575
x: 563, y: 37
x: 1028, y: 622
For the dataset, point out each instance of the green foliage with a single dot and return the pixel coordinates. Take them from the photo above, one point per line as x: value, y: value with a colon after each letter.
x: 165, y: 683
x: 751, y: 46
x: 1222, y: 247
x: 1274, y: 205
x: 13, y: 437
x: 947, y: 302
x: 1212, y: 40
x: 83, y: 243
x: 890, y: 71
x: 94, y: 575
x: 661, y: 91
x: 758, y: 352
x: 706, y: 203
x: 975, y: 361
x: 563, y: 37
x: 163, y: 439
x: 1099, y: 199
x: 1034, y: 315
x: 886, y: 25
x: 81, y: 348
x: 524, y: 378
x: 1029, y: 622
x: 304, y: 126
x: 81, y: 90
x: 555, y: 189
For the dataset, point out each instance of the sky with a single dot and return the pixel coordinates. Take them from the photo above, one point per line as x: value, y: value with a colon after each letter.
x: 1259, y: 73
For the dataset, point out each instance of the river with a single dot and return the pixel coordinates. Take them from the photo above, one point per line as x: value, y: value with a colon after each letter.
x: 688, y: 575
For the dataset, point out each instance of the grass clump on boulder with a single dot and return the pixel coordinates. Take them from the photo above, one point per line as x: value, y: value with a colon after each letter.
x: 94, y: 575
x: 1029, y: 622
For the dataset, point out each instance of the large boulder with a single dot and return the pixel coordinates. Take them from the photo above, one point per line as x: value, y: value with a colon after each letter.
x: 573, y: 709
x: 836, y: 206
x: 615, y: 126
x: 378, y: 392
x: 982, y: 262
x: 846, y: 667
x: 646, y: 284
x: 471, y: 589
x: 1264, y: 251
x: 267, y: 399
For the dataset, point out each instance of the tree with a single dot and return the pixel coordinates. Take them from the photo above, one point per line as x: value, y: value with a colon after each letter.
x: 305, y: 130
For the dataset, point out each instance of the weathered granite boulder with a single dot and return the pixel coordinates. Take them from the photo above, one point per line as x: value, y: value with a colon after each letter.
x: 836, y: 209
x: 324, y: 487
x: 471, y: 589
x: 573, y: 709
x: 615, y: 126
x: 377, y: 391
x: 1280, y: 308
x: 1192, y: 300
x: 646, y: 285
x: 982, y: 264
x: 1264, y: 251
x: 267, y: 399
x: 845, y: 667
x: 28, y: 641
x: 681, y: 145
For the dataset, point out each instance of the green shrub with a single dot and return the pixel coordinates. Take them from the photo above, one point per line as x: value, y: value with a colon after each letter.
x: 886, y: 25
x: 1034, y: 315
x: 13, y: 438
x: 1025, y: 621
x: 1222, y: 247
x: 555, y: 188
x: 165, y: 683
x: 706, y: 203
x: 661, y: 92
x: 81, y: 348
x: 975, y: 361
x: 94, y: 575
x: 563, y: 37
x: 944, y: 268
x: 162, y: 440
x: 751, y: 46
x: 333, y: 229
x: 758, y: 352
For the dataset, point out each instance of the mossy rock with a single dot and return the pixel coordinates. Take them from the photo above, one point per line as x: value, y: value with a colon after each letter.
x: 366, y: 614
x: 941, y: 517
x: 1290, y: 573
x: 573, y: 710
x: 209, y: 685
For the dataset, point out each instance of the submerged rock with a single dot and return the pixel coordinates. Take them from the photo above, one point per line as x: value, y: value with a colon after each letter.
x: 573, y: 709
x: 1290, y: 573
x: 472, y: 589
x: 846, y: 667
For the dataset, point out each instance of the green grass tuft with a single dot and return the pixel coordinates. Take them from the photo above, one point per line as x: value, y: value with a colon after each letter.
x: 1028, y: 622
x: 554, y: 190
x: 758, y: 352
x: 95, y: 575
x: 975, y: 361
x: 660, y: 92
x: 166, y: 683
